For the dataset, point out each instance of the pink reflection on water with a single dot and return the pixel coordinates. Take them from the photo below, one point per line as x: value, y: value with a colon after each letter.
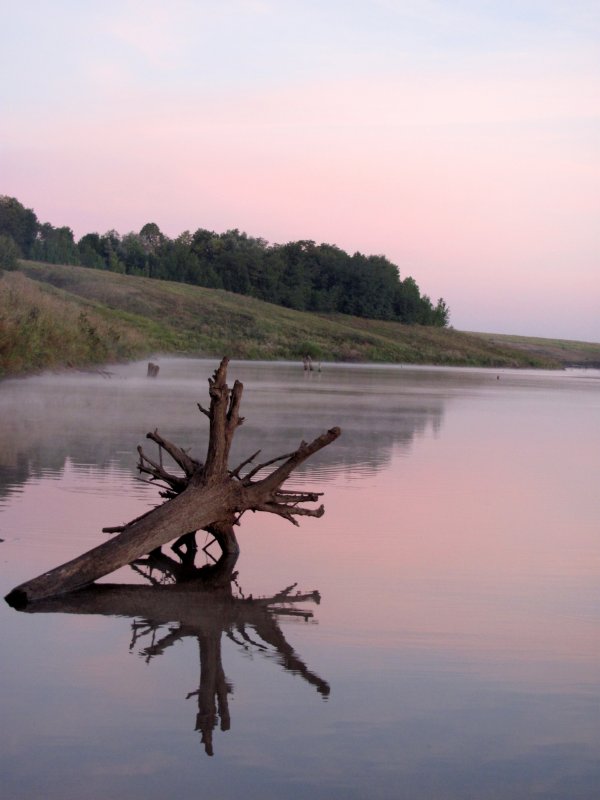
x: 482, y: 544
x: 56, y: 516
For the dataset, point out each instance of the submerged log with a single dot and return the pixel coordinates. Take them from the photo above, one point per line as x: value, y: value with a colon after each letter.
x: 208, y: 496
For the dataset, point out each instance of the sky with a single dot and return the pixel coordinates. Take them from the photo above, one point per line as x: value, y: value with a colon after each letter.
x: 459, y: 138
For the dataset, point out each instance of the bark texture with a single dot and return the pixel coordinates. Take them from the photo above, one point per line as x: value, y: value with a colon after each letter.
x: 207, y: 495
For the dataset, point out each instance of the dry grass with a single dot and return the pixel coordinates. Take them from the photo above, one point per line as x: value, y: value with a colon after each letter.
x: 39, y: 329
x: 129, y: 316
x: 564, y: 351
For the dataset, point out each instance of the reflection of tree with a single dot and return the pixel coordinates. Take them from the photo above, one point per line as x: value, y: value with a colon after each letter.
x: 182, y: 601
x: 107, y: 419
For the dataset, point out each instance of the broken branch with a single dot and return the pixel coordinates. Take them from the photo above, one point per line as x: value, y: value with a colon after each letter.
x: 187, y: 464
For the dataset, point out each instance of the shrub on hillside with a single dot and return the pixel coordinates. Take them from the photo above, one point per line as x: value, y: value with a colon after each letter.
x: 9, y: 253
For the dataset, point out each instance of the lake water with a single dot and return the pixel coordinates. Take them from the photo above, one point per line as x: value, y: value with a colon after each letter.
x: 455, y: 650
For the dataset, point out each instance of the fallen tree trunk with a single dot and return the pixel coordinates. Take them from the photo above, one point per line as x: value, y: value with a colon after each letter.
x: 207, y: 496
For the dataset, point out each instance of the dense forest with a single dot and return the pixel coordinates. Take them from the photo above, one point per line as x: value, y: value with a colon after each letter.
x: 302, y: 275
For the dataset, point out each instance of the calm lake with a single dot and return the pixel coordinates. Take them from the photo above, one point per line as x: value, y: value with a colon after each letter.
x: 455, y: 650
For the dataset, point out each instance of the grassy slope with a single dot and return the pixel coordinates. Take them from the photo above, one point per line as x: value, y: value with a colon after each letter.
x: 564, y: 351
x: 41, y: 323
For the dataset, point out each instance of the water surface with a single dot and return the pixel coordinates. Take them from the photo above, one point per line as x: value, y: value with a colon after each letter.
x: 455, y: 649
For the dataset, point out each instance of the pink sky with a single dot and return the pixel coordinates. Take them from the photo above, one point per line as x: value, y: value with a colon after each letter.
x: 461, y: 144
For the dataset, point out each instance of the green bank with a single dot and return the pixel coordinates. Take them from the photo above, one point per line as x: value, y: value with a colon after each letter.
x: 54, y: 316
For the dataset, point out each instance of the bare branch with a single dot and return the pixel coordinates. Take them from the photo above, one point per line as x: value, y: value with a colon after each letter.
x: 250, y: 475
x: 278, y: 476
x: 236, y: 472
x: 289, y: 512
x: 220, y: 374
x: 233, y: 417
x: 281, y: 512
x: 168, y: 494
x: 157, y: 471
x: 188, y: 465
x: 223, y: 422
x: 297, y: 497
x: 205, y: 411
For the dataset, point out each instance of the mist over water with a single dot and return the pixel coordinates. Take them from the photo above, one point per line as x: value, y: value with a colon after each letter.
x: 455, y: 649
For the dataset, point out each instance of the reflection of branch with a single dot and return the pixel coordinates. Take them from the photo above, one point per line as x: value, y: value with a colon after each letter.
x: 268, y: 629
x: 285, y: 596
x: 159, y: 647
x: 212, y: 694
x: 246, y: 638
x: 140, y: 629
x: 203, y: 608
x: 137, y: 567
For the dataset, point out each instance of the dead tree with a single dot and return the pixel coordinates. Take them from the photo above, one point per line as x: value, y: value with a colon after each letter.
x: 207, y: 495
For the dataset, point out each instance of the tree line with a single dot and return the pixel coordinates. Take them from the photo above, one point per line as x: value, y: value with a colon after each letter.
x: 301, y: 275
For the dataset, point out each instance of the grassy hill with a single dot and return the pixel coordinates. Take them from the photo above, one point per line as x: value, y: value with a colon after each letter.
x: 54, y: 316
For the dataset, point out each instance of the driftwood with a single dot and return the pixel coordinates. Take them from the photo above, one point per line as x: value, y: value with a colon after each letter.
x: 187, y: 601
x: 208, y: 496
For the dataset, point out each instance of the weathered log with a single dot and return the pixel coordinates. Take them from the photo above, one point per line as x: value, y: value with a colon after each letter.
x: 207, y: 496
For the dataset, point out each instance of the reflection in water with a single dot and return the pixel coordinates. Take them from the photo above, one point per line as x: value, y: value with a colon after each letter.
x: 461, y: 578
x: 184, y: 601
x: 92, y: 420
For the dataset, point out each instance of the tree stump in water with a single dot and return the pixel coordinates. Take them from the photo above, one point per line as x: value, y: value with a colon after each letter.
x: 208, y: 496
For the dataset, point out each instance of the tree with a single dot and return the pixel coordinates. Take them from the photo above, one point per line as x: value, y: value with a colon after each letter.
x: 134, y: 254
x: 155, y: 245
x: 18, y: 222
x: 55, y: 245
x: 9, y: 253
x: 406, y: 301
x: 110, y: 244
x: 441, y: 314
x: 300, y: 275
x: 91, y: 253
x: 151, y: 237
